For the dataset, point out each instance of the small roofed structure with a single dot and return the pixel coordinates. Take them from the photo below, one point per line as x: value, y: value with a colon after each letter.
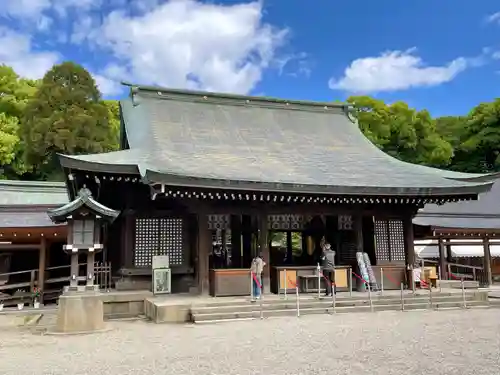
x: 85, y: 218
x: 29, y: 240
x: 462, y: 230
x: 200, y: 168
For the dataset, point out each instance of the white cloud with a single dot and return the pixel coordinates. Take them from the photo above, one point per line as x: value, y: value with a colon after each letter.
x: 397, y: 70
x: 193, y: 45
x: 24, y: 8
x: 16, y: 50
x: 107, y: 86
x: 493, y: 18
x: 172, y: 43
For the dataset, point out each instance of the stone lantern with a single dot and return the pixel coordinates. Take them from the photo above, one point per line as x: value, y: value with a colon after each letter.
x: 80, y: 306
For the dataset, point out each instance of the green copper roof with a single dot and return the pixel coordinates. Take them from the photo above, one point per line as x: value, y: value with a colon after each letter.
x: 217, y: 140
x: 84, y: 198
x: 33, y: 193
x: 23, y: 204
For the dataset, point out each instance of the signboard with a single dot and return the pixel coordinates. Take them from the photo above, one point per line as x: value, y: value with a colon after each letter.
x: 162, y: 277
x: 160, y: 261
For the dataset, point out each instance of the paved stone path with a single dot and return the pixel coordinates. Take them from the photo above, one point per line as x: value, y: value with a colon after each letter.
x: 413, y: 343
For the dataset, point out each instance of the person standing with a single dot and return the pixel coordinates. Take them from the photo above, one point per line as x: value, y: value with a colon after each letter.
x: 328, y: 260
x: 256, y: 268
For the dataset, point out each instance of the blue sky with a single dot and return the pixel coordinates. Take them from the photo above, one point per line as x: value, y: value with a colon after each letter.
x: 441, y: 55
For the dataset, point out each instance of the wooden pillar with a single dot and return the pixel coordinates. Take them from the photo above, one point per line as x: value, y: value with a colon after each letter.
x: 73, y: 283
x: 487, y: 261
x: 42, y: 258
x: 409, y: 247
x: 246, y: 236
x: 358, y: 230
x: 128, y: 238
x: 236, y: 258
x: 289, y: 248
x: 90, y: 269
x: 264, y: 249
x: 443, y: 264
x: 203, y: 251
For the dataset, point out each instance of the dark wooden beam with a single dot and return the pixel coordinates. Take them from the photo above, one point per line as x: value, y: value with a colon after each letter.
x: 7, y: 246
x: 204, y: 247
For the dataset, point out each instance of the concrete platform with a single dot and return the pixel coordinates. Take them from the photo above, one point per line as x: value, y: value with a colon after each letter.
x: 181, y: 309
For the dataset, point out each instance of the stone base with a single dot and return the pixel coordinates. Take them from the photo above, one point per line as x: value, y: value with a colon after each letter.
x: 80, y: 288
x: 80, y: 312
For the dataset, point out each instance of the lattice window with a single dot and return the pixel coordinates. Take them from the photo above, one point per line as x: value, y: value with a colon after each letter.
x: 389, y: 240
x: 345, y: 222
x: 285, y: 222
x: 382, y: 251
x: 219, y: 222
x: 146, y: 241
x: 158, y: 237
x: 171, y: 234
x: 83, y: 232
x: 397, y: 240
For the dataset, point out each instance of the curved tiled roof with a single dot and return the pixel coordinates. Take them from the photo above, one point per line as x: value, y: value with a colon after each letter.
x: 216, y: 140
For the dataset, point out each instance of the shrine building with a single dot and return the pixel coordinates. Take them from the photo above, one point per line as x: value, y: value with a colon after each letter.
x: 212, y: 179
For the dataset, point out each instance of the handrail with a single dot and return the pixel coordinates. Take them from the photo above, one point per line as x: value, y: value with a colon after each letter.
x: 465, y: 266
x: 37, y: 270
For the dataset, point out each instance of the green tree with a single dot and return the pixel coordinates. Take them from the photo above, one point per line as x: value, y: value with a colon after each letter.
x: 114, y: 122
x: 402, y: 131
x: 478, y: 149
x: 14, y: 94
x: 66, y: 115
x: 451, y: 128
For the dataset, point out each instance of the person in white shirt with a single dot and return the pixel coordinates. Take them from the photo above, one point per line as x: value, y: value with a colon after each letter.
x: 257, y: 268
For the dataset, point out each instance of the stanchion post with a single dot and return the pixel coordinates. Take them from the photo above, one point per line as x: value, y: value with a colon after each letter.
x: 440, y: 277
x: 412, y: 270
x: 297, y: 299
x: 463, y: 293
x: 430, y: 294
x: 350, y: 282
x: 261, y: 300
x: 318, y: 268
x: 286, y: 283
x: 334, y: 298
x: 402, y: 297
x: 381, y: 280
x: 252, y: 297
x: 370, y: 295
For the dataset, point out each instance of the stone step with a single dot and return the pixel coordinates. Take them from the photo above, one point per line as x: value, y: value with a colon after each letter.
x: 249, y: 315
x: 312, y: 303
x: 375, y: 296
x: 457, y: 284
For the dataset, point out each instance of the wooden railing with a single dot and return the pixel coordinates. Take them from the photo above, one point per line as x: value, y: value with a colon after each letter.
x: 102, y: 275
x: 461, y: 271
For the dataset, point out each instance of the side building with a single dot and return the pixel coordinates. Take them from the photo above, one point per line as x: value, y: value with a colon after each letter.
x: 30, y: 244
x: 464, y: 237
x: 212, y: 179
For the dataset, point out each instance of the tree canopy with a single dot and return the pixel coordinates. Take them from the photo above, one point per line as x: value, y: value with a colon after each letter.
x: 65, y: 113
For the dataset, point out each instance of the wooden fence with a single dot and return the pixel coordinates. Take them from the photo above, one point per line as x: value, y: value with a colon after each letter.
x: 53, y: 287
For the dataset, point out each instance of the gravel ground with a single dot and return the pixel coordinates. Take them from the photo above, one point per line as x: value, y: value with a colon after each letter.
x: 444, y: 342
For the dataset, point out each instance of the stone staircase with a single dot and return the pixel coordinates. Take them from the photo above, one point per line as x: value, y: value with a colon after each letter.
x: 219, y: 311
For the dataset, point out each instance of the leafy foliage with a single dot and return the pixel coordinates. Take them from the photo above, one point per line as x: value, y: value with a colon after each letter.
x: 66, y: 115
x: 401, y: 131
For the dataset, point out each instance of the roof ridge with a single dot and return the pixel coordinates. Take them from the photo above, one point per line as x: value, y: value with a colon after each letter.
x: 134, y: 89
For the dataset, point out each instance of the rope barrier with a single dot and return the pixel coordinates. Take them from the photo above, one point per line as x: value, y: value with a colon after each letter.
x: 256, y: 280
x: 360, y: 278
